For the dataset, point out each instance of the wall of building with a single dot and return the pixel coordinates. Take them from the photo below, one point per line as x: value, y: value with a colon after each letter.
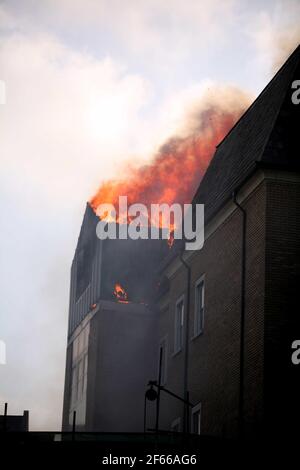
x: 214, y: 355
x: 67, y: 390
x: 121, y: 346
x: 99, y: 264
x: 124, y: 345
x: 121, y: 349
x: 282, y: 309
x: 85, y: 283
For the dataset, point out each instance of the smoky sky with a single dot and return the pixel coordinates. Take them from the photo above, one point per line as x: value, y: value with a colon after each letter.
x: 90, y: 86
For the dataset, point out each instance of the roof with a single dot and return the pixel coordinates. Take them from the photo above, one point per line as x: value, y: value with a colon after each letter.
x: 265, y: 135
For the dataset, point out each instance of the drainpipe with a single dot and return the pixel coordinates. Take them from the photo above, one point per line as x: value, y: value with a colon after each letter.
x: 186, y: 355
x: 242, y: 327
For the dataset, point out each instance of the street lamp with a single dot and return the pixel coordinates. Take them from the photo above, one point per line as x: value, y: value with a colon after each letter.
x: 153, y: 394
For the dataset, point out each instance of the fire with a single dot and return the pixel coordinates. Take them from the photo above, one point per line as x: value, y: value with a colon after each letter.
x: 176, y: 170
x: 120, y: 293
x: 170, y: 240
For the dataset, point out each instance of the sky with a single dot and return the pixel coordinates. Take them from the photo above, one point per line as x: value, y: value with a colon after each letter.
x: 89, y: 86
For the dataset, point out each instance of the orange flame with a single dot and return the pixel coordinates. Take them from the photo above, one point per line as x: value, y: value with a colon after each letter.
x: 176, y: 170
x: 120, y: 293
x: 170, y: 240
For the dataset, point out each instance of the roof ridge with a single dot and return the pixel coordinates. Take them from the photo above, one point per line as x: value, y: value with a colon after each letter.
x: 291, y: 56
x: 240, y: 151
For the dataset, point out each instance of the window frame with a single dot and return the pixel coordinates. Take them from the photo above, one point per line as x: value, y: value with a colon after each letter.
x: 79, y: 366
x: 164, y: 343
x: 178, y: 349
x: 176, y: 422
x: 195, y: 410
x: 197, y: 333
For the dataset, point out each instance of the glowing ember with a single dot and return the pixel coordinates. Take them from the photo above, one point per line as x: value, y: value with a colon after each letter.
x: 120, y: 293
x: 171, y: 240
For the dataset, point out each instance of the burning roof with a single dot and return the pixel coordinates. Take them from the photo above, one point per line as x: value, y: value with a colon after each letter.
x: 176, y: 169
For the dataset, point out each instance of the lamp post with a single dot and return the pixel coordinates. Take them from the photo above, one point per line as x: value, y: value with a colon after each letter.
x: 153, y: 394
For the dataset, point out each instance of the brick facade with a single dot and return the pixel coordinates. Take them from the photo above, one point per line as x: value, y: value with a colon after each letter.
x: 213, y: 372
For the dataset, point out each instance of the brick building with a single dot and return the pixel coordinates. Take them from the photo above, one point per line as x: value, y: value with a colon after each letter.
x: 225, y: 316
x: 226, y: 332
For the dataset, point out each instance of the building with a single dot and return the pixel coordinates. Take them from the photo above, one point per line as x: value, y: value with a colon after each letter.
x: 109, y: 362
x: 224, y: 317
x: 14, y: 423
x: 111, y: 334
x: 229, y: 315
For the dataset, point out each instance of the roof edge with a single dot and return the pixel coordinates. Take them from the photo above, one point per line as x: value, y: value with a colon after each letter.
x: 291, y: 56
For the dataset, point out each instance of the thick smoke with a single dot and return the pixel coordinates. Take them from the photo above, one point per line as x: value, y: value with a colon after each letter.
x: 176, y: 169
x: 284, y: 45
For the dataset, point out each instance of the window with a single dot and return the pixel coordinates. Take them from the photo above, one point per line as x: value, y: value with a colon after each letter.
x: 80, y: 379
x: 196, y: 419
x: 175, y: 426
x: 74, y: 387
x: 163, y: 349
x: 75, y: 350
x: 85, y: 368
x: 179, y: 320
x: 199, y: 307
x: 79, y: 374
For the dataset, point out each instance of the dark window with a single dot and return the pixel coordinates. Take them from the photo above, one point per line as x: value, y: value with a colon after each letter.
x: 199, y: 308
x: 179, y: 320
x: 163, y: 350
x: 175, y: 426
x: 196, y: 419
